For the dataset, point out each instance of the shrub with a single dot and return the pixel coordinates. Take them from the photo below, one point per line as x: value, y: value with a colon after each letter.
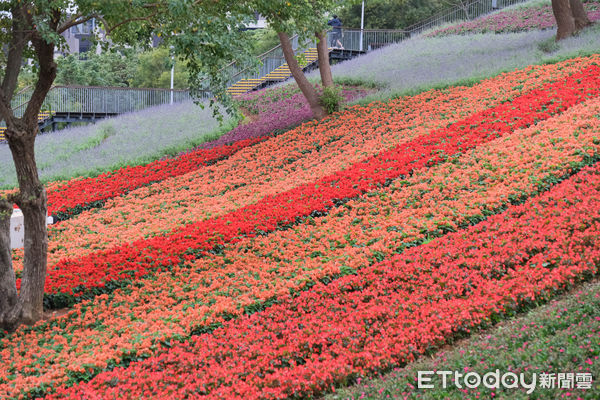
x: 331, y: 99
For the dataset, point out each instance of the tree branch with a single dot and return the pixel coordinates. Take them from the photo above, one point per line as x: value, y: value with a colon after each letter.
x: 46, y: 75
x: 5, y: 109
x: 74, y: 21
x: 128, y: 20
x: 15, y: 54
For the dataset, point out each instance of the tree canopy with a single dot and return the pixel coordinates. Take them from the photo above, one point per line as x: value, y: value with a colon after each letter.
x: 389, y: 14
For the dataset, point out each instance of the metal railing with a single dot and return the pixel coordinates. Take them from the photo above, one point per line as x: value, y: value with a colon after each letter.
x: 468, y: 11
x: 21, y: 97
x: 367, y: 39
x: 269, y: 61
x: 352, y: 39
x: 108, y: 100
x: 99, y: 100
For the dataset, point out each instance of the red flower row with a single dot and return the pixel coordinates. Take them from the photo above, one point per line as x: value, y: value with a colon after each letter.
x: 75, y: 195
x: 138, y: 258
x: 387, y: 315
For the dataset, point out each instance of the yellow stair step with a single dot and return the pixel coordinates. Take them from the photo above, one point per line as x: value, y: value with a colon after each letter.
x: 278, y: 74
x: 243, y: 84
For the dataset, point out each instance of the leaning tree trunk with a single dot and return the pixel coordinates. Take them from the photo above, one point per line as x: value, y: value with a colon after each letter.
x: 564, y: 19
x: 581, y: 18
x: 307, y: 89
x: 323, y: 54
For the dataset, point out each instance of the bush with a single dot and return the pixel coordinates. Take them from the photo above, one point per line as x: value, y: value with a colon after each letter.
x: 331, y: 99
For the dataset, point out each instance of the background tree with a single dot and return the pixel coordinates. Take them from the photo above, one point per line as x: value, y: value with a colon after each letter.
x: 570, y: 17
x: 462, y: 4
x: 126, y: 67
x: 109, y: 68
x: 388, y: 14
x: 153, y: 70
x: 206, y: 34
x: 264, y: 40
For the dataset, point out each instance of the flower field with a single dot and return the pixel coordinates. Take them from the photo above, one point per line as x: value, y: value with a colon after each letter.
x: 387, y: 313
x: 278, y: 266
x: 73, y: 196
x: 68, y: 198
x: 538, y: 16
x: 208, y: 197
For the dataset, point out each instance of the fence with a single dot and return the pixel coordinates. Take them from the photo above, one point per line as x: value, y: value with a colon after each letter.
x: 268, y: 62
x: 99, y: 100
x: 468, y: 10
x: 108, y: 100
x: 368, y: 39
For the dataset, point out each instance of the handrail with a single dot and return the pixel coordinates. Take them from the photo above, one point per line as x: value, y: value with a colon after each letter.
x: 374, y: 30
x: 445, y: 12
x: 439, y: 14
x: 476, y: 8
x: 261, y: 58
x: 116, y: 88
x: 22, y: 90
x: 104, y: 100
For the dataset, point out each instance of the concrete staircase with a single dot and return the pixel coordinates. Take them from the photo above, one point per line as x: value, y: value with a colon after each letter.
x: 279, y: 74
x: 42, y: 116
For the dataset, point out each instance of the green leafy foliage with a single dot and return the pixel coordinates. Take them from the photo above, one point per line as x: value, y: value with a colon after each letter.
x: 264, y: 40
x: 153, y: 69
x: 302, y: 17
x: 388, y: 14
x: 331, y: 99
x: 105, y: 69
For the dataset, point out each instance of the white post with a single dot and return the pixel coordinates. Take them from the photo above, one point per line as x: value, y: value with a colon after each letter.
x: 362, y: 26
x: 172, y: 73
x: 17, y: 229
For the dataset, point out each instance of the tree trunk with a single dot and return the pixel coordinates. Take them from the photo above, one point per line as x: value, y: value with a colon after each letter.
x: 32, y: 201
x: 564, y: 19
x: 579, y: 14
x: 323, y: 53
x: 10, y: 306
x: 31, y: 198
x: 307, y: 89
x: 465, y: 8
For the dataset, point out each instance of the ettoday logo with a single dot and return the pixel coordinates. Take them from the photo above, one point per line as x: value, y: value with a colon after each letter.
x: 506, y: 380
